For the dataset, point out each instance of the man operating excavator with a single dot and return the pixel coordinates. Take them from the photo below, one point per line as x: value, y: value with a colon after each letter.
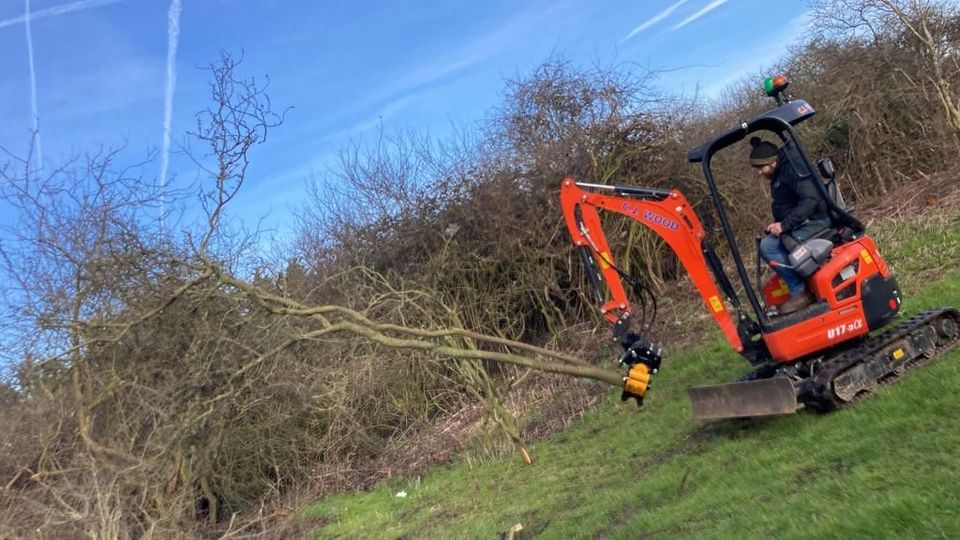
x: 822, y: 356
x: 798, y: 211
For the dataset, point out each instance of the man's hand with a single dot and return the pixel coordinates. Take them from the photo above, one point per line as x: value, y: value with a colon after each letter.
x: 775, y: 229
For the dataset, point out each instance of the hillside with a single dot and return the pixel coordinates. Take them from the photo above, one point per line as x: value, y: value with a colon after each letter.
x: 170, y: 379
x: 884, y: 468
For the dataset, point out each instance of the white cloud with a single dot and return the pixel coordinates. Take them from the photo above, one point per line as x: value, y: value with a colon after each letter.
x: 751, y: 61
x: 397, y: 92
x: 385, y: 113
x: 57, y: 10
x: 653, y: 20
x: 106, y: 87
x: 706, y: 9
x: 490, y: 44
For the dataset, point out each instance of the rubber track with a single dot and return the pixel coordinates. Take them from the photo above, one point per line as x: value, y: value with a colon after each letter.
x: 819, y: 392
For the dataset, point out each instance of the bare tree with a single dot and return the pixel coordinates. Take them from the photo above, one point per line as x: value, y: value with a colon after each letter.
x: 929, y: 28
x: 159, y: 386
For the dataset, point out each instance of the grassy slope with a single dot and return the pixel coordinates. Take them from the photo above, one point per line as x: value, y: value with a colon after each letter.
x: 888, y: 467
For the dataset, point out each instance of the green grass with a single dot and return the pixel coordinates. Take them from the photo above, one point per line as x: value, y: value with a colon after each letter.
x: 886, y: 468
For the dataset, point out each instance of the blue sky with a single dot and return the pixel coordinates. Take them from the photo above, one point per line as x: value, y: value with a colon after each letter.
x: 347, y: 67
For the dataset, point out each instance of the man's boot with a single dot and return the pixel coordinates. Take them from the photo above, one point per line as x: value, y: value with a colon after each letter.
x: 796, y: 302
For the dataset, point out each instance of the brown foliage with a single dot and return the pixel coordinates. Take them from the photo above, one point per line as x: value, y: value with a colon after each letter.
x: 163, y: 389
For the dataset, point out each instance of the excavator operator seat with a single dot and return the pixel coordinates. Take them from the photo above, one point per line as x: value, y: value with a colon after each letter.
x: 829, y: 175
x: 810, y: 255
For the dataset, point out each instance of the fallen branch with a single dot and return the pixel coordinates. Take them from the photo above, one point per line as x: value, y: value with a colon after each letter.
x: 356, y: 323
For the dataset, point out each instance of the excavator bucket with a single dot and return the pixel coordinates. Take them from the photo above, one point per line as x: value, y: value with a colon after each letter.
x: 762, y: 397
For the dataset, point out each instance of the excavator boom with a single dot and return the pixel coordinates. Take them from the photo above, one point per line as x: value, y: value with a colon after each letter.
x: 668, y: 214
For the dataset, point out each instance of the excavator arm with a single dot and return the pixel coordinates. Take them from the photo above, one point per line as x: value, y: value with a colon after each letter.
x: 670, y: 216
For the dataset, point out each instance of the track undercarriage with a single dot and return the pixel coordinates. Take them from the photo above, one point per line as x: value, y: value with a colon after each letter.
x: 831, y: 381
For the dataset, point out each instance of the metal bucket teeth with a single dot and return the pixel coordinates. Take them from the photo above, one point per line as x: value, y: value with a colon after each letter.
x: 763, y: 397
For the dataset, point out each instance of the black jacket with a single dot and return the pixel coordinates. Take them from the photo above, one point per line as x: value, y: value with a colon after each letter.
x: 794, y: 199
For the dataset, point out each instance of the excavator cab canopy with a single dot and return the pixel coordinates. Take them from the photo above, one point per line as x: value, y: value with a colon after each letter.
x: 789, y: 114
x: 780, y: 121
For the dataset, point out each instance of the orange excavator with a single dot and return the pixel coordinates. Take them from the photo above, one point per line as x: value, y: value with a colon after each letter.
x: 823, y: 356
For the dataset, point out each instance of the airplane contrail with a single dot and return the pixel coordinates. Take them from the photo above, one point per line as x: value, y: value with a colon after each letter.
x: 653, y: 20
x: 56, y: 10
x: 173, y: 37
x: 33, y: 87
x: 706, y: 9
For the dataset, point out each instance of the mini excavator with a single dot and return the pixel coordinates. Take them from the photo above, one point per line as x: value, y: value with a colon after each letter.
x: 824, y: 356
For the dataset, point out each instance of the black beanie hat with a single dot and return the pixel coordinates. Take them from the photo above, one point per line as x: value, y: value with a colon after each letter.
x: 762, y: 152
